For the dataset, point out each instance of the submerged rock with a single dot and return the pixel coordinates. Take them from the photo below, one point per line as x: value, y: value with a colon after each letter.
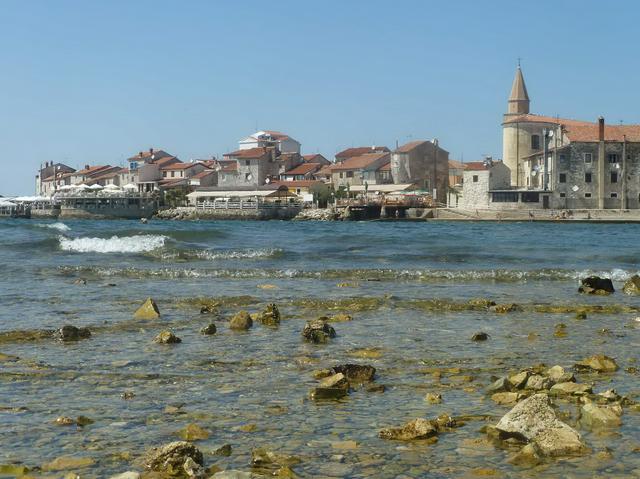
x: 241, y: 321
x: 71, y: 333
x: 506, y: 308
x: 318, y: 331
x: 480, y: 336
x: 596, y: 285
x: 340, y: 318
x: 593, y: 416
x: 599, y: 363
x: 506, y: 398
x: 417, y: 429
x: 571, y: 388
x: 209, y: 330
x: 148, y: 310
x: 558, y: 374
x: 533, y: 420
x: 324, y: 393
x: 175, y: 458
x: 632, y: 285
x: 270, y: 316
x: 167, y: 337
x: 224, y: 450
x: 262, y: 457
x: 64, y: 463
x: 433, y: 398
x: 356, y: 373
x: 193, y: 432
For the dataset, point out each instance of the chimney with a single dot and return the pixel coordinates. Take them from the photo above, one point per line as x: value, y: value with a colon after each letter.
x: 151, y: 151
x: 601, y: 128
x: 86, y: 167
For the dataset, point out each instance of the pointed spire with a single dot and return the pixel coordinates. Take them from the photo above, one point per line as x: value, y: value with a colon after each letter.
x: 519, y: 98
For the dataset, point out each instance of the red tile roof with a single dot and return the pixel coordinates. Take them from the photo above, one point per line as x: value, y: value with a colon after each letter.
x: 164, y: 160
x: 202, y: 174
x: 92, y: 170
x: 315, y: 158
x: 146, y: 155
x: 250, y: 153
x: 109, y: 175
x: 475, y: 166
x: 359, y: 162
x: 455, y: 164
x: 407, y: 147
x: 385, y: 167
x: 303, y: 169
x: 360, y: 150
x: 531, y: 118
x: 298, y: 183
x: 277, y: 135
x: 591, y: 133
x: 178, y: 166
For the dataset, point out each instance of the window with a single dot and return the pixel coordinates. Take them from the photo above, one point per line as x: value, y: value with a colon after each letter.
x: 588, y: 157
x: 475, y: 178
x: 563, y: 157
x: 614, y: 195
x: 341, y: 174
x: 173, y: 174
x: 563, y: 195
x: 504, y: 197
x: 535, y: 142
x: 349, y: 174
x: 164, y: 174
x: 614, y: 177
x: 587, y: 177
x: 563, y: 178
x: 587, y: 195
x: 247, y: 162
x: 530, y: 197
x: 612, y: 157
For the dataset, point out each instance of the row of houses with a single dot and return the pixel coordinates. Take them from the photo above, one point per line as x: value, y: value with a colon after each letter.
x: 266, y: 158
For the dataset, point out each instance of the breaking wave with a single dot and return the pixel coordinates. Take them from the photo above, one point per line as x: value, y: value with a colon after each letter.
x: 212, y: 255
x: 497, y: 275
x: 55, y: 226
x: 115, y: 244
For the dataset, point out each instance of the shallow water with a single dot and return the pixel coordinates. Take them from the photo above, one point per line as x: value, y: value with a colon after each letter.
x: 407, y: 287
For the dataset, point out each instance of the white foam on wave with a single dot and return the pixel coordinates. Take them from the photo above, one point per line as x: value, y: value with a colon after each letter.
x: 115, y: 244
x: 54, y: 226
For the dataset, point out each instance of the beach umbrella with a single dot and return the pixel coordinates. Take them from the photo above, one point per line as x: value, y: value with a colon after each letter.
x: 81, y: 186
x: 95, y: 186
x: 65, y: 187
x: 112, y: 187
x: 130, y: 186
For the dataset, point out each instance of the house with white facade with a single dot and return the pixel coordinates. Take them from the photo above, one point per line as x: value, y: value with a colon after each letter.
x: 269, y: 138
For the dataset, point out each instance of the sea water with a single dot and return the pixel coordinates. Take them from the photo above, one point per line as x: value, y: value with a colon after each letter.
x: 405, y: 284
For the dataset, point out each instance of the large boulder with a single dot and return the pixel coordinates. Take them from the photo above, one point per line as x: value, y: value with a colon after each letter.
x: 632, y: 285
x: 318, y: 331
x: 356, y: 373
x: 596, y: 285
x: 71, y: 333
x: 533, y: 420
x: 241, y: 321
x: 176, y: 459
x: 417, y: 429
x: 148, y: 310
x: 599, y: 363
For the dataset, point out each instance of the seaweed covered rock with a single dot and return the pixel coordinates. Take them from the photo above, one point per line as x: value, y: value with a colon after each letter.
x: 593, y: 416
x: 632, y: 285
x: 175, y: 459
x: 270, y: 316
x: 209, y: 329
x: 318, y: 331
x: 241, y: 321
x: 71, y: 333
x: 417, y: 429
x: 167, y: 337
x: 148, y: 310
x: 596, y: 285
x: 356, y: 373
x: 599, y: 363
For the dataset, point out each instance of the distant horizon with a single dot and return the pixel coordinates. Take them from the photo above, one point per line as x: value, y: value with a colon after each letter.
x: 89, y: 85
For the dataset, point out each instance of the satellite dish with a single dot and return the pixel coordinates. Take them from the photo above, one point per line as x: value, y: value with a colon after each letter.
x: 617, y: 166
x: 534, y: 172
x: 267, y: 180
x: 575, y: 188
x: 550, y: 133
x: 249, y: 177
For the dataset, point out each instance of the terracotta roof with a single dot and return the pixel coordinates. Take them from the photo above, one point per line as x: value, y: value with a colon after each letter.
x: 92, y: 170
x: 406, y: 148
x: 178, y: 166
x: 294, y: 183
x: 360, y: 150
x: 248, y: 154
x: 164, y: 160
x: 385, y: 167
x: 109, y: 175
x: 202, y: 174
x: 146, y: 155
x: 303, y: 169
x: 455, y: 164
x: 228, y: 166
x: 359, y: 162
x: 531, y: 118
x: 277, y: 135
x: 475, y: 166
x: 591, y: 133
x: 325, y: 170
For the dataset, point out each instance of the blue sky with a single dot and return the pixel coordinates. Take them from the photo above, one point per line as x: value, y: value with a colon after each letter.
x: 97, y: 81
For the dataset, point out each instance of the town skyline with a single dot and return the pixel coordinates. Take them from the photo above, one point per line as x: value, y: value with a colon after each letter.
x: 72, y: 103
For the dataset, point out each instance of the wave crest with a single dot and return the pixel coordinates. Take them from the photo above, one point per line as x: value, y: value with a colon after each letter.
x: 54, y: 226
x: 115, y: 244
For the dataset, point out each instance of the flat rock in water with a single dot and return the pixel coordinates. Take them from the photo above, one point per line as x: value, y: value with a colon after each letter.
x: 233, y: 474
x: 148, y: 310
x: 599, y: 363
x: 417, y: 429
x: 127, y: 475
x: 593, y: 416
x: 570, y: 388
x: 167, y: 337
x: 534, y: 420
x: 241, y: 321
x: 506, y: 398
x: 193, y: 432
x: 64, y: 463
x: 321, y: 393
x: 337, y: 380
x: 356, y: 373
